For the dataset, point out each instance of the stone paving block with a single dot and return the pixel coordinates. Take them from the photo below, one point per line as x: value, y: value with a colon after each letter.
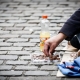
x: 11, y: 3
x: 27, y: 25
x: 6, y: 24
x: 2, y: 21
x: 48, y: 67
x: 29, y: 18
x: 5, y: 57
x: 6, y: 9
x: 9, y: 18
x: 2, y: 40
x: 58, y: 21
x: 19, y: 52
x: 33, y: 28
x: 26, y: 68
x: 54, y: 73
x: 3, y: 15
x: 16, y: 21
x: 13, y: 11
x: 15, y: 6
x: 16, y: 62
x: 13, y: 28
x: 32, y: 12
x: 1, y: 61
x: 22, y: 1
x: 70, y: 78
x: 48, y: 3
x: 34, y: 40
x: 45, y: 78
x: 55, y: 28
x: 25, y: 58
x: 9, y: 36
x: 24, y: 44
x: 15, y: 40
x: 4, y: 44
x: 4, y: 32
x: 10, y: 73
x: 21, y: 78
x: 1, y: 11
x: 34, y: 21
x: 27, y: 14
x: 2, y: 78
x: 54, y: 18
x: 30, y: 36
x: 26, y: 8
x: 40, y: 14
x: 37, y: 32
x: 32, y: 49
x: 36, y: 73
x: 35, y: 6
x: 40, y: 64
x: 28, y: 3
x: 10, y: 48
x: 5, y: 67
x: 3, y: 52
x: 18, y: 15
x: 61, y: 24
x: 21, y: 32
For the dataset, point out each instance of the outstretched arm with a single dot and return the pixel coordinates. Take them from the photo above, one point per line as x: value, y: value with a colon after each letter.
x: 72, y: 25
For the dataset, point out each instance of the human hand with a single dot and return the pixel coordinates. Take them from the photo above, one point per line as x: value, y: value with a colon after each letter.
x: 52, y: 43
x: 49, y: 46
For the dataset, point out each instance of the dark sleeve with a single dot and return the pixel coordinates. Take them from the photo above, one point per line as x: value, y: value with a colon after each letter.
x: 72, y: 25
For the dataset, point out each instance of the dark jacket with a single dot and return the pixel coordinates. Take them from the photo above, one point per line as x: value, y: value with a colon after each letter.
x: 71, y: 26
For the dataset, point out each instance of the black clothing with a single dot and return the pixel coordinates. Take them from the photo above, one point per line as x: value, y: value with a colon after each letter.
x: 71, y: 26
x: 75, y: 43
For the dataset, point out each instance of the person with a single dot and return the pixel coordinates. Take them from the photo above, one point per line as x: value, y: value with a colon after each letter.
x: 70, y: 32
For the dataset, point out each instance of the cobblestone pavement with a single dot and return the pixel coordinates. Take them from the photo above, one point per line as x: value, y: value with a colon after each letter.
x: 19, y: 36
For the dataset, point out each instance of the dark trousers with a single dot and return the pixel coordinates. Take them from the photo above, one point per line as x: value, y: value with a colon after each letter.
x: 75, y: 43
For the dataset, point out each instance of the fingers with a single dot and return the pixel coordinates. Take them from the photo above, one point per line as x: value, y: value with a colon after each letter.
x: 46, y: 49
x: 51, y: 50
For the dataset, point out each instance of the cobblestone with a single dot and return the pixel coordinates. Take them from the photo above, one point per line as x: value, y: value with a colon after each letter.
x: 54, y: 73
x: 19, y: 52
x: 9, y: 36
x: 2, y: 78
x: 26, y: 68
x: 10, y: 48
x: 49, y: 68
x: 17, y: 62
x: 16, y: 21
x: 2, y: 44
x: 5, y: 67
x: 21, y: 78
x: 19, y: 37
x: 3, y: 52
x: 8, y: 57
x: 24, y: 44
x: 11, y: 73
x: 9, y: 18
x: 21, y: 32
x: 36, y: 73
x: 25, y: 58
x: 14, y: 40
x: 1, y: 62
x: 6, y: 24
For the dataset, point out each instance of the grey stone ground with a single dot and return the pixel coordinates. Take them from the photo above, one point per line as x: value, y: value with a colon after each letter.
x: 19, y: 36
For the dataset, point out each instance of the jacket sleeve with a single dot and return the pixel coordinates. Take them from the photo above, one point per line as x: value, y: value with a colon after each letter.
x: 72, y: 25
